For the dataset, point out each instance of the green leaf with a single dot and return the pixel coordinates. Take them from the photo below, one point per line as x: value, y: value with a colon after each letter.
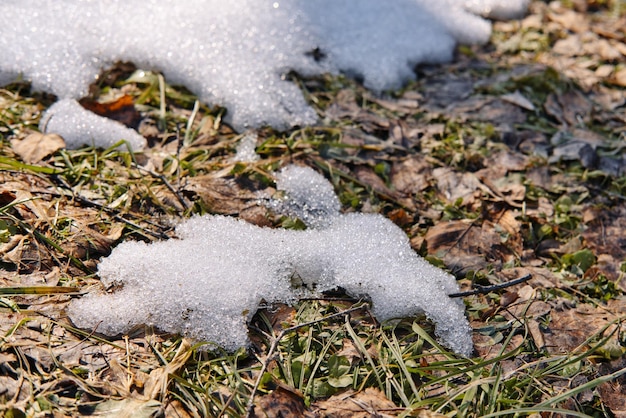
x: 340, y: 382
x: 571, y: 369
x: 582, y: 259
x: 321, y: 389
x: 338, y: 365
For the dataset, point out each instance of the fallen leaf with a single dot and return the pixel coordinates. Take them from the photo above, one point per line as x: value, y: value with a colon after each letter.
x: 536, y: 334
x: 176, y: 409
x: 84, y: 242
x: 366, y: 175
x: 400, y: 217
x: 221, y: 195
x: 37, y: 146
x: 159, y: 378
x: 568, y: 46
x: 369, y: 403
x: 569, y: 328
x: 402, y: 106
x: 465, y: 246
x: 613, y: 393
x: 619, y: 78
x: 446, y: 90
x: 571, y: 20
x: 454, y: 186
x: 411, y: 175
x: 127, y: 408
x: 518, y: 99
x: 11, y: 388
x: 121, y: 109
x: 280, y: 403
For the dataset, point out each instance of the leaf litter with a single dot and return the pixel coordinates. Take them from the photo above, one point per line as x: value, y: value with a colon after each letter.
x: 559, y: 199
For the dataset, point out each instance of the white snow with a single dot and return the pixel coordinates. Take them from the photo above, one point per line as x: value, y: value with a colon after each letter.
x: 78, y: 126
x: 308, y: 196
x: 246, y: 149
x: 236, y: 53
x: 209, y: 283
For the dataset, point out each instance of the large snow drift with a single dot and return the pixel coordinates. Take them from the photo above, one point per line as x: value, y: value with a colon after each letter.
x: 237, y: 52
x: 210, y: 282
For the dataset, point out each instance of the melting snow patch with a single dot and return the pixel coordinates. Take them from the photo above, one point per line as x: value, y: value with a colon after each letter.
x: 236, y: 53
x: 246, y: 149
x: 308, y: 196
x: 209, y: 283
x: 78, y: 126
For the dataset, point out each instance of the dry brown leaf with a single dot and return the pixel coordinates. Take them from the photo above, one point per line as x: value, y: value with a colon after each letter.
x: 411, y: 175
x: 15, y: 389
x: 604, y: 71
x: 606, y: 50
x: 508, y: 220
x: 571, y: 20
x: 30, y: 207
x: 280, y: 403
x: 121, y: 109
x: 453, y: 185
x: 159, y: 378
x: 344, y: 106
x: 541, y: 276
x: 350, y: 351
x: 221, y: 195
x: 518, y: 99
x: 11, y: 252
x: 118, y: 378
x: 536, y: 334
x: 366, y: 175
x: 569, y: 328
x: 176, y: 409
x: 87, y: 243
x: 37, y: 146
x: 619, y: 78
x: 128, y: 408
x: 605, y: 232
x: 368, y: 403
x: 402, y: 106
x: 613, y: 393
x: 570, y: 46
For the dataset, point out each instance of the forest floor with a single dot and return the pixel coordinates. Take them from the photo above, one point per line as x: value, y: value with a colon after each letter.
x: 506, y: 163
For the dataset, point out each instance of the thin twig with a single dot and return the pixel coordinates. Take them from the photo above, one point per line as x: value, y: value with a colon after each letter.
x: 274, y: 345
x: 113, y: 212
x: 481, y: 290
x: 166, y: 183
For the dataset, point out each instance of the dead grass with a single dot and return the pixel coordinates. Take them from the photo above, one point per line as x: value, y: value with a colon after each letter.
x: 509, y: 162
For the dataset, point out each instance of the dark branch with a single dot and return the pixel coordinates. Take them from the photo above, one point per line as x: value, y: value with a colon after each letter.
x: 481, y: 290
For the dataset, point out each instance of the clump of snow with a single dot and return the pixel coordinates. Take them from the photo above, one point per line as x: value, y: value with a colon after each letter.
x: 78, y: 126
x: 497, y: 9
x: 308, y: 196
x: 209, y: 283
x: 246, y: 149
x: 236, y: 53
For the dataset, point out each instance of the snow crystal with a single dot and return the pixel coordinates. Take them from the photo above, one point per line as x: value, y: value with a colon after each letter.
x: 308, y: 196
x: 246, y: 149
x: 78, y: 126
x: 209, y: 283
x: 236, y: 53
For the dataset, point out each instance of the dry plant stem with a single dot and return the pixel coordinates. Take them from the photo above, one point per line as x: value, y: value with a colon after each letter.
x: 38, y: 290
x: 113, y: 212
x: 274, y: 345
x: 166, y: 183
x: 41, y: 238
x: 482, y: 290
